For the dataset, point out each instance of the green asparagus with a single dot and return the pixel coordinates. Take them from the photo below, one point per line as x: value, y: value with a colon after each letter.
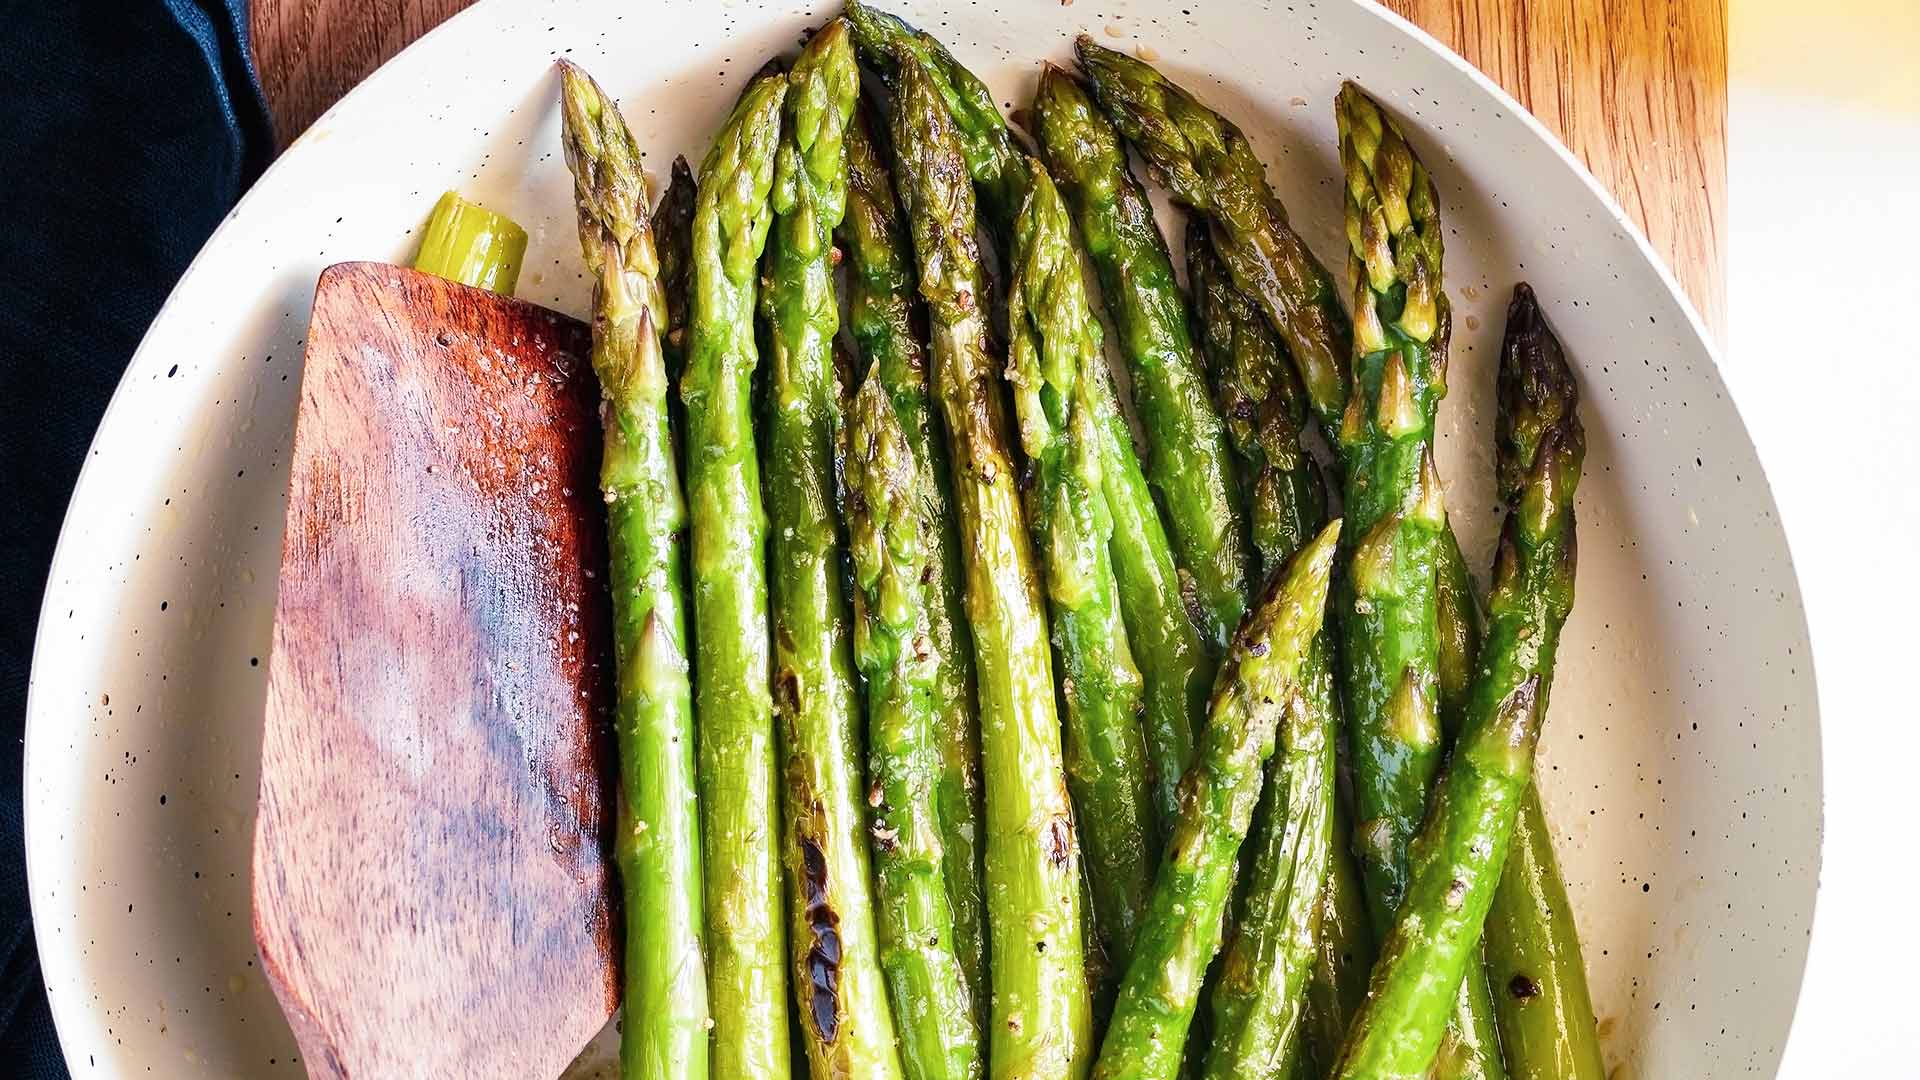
x: 1053, y: 358
x: 472, y: 245
x: 1040, y: 1017
x: 1188, y: 464
x: 1461, y: 848
x: 888, y: 323
x: 657, y: 842
x: 1271, y: 952
x: 1343, y: 953
x: 673, y: 239
x: 846, y: 1023
x: 891, y: 547
x: 1206, y: 162
x: 1258, y: 997
x: 1402, y: 326
x: 987, y: 145
x: 746, y: 938
x: 1175, y: 668
x: 1259, y: 394
x: 1182, y: 928
x: 1533, y: 949
x: 1539, y: 979
x: 1172, y: 656
x: 1393, y: 494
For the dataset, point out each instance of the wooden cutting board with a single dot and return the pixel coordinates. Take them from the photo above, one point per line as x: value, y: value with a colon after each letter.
x: 430, y: 896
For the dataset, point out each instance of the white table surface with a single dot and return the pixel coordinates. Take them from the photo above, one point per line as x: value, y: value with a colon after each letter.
x: 1824, y: 291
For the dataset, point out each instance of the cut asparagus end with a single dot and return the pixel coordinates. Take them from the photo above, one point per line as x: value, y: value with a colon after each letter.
x: 472, y: 245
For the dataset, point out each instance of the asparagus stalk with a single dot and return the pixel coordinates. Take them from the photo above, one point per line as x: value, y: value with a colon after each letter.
x: 1402, y: 326
x: 1343, y: 953
x: 1181, y: 931
x: 1273, y: 950
x: 746, y: 939
x: 891, y: 548
x: 468, y: 243
x: 1541, y: 1003
x: 657, y: 844
x: 1461, y: 849
x: 673, y: 240
x: 1208, y: 165
x: 987, y: 145
x: 888, y: 324
x: 1188, y: 464
x: 1040, y: 1017
x: 1392, y: 490
x: 1259, y: 394
x: 1053, y: 359
x: 1259, y: 995
x: 1175, y: 667
x: 846, y: 1023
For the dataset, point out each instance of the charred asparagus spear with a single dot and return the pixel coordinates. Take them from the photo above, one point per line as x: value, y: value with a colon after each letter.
x: 1274, y: 948
x: 1539, y: 979
x: 1461, y: 848
x: 1054, y: 357
x: 673, y: 240
x: 846, y: 1022
x: 987, y: 145
x: 889, y: 325
x: 658, y: 839
x: 1208, y: 165
x: 1188, y: 462
x: 1182, y: 928
x: 1040, y: 1019
x: 891, y: 546
x: 746, y: 938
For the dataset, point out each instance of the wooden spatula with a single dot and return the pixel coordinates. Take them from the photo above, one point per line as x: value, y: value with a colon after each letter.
x: 429, y: 893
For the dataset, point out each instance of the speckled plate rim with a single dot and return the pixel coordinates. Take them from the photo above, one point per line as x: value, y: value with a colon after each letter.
x: 291, y: 161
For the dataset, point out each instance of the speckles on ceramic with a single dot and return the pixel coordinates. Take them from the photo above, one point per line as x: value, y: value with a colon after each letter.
x: 1681, y: 759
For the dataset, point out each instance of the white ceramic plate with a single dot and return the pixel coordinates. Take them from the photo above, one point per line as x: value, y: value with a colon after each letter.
x: 1681, y: 762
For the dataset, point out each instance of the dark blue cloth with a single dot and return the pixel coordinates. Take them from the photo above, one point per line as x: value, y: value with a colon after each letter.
x: 128, y: 128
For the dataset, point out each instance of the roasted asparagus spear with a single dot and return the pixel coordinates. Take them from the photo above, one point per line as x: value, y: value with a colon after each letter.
x: 846, y: 1023
x: 1040, y: 1019
x: 657, y: 841
x: 889, y: 325
x: 1458, y: 856
x: 1053, y: 359
x: 1188, y: 462
x: 740, y: 823
x: 1182, y: 928
x: 891, y: 544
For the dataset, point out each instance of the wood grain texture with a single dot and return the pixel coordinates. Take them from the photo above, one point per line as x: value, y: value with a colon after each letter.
x: 430, y: 894
x: 1637, y: 89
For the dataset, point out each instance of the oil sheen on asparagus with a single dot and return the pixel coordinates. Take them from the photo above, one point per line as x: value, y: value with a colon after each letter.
x: 1457, y: 859
x: 891, y: 543
x: 1040, y: 1016
x: 1053, y: 359
x: 1182, y: 928
x: 1275, y: 946
x: 740, y: 819
x: 1534, y: 962
x: 846, y: 1023
x: 657, y: 840
x: 889, y: 324
x: 1189, y: 464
